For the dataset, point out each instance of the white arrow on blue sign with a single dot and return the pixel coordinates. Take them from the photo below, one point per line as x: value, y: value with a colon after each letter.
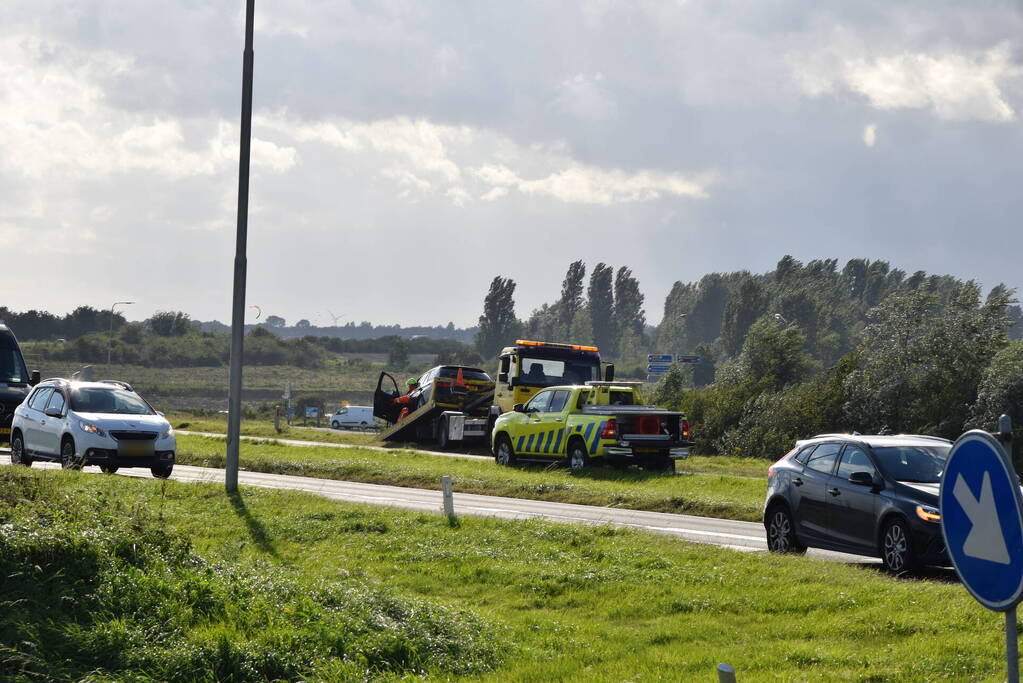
x: 982, y: 520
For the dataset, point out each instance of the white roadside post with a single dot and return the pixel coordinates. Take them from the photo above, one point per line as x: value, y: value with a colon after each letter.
x: 449, y: 501
x: 982, y: 524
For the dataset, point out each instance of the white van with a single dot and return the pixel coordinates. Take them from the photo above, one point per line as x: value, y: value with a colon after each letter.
x: 360, y: 417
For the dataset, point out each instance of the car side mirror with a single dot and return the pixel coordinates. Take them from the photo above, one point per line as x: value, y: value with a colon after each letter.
x: 53, y: 412
x: 861, y: 478
x: 519, y: 408
x: 502, y: 378
x: 35, y: 378
x: 514, y: 381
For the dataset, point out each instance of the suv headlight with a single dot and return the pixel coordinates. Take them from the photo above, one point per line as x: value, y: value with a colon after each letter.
x: 90, y: 428
x: 928, y: 513
x: 166, y: 433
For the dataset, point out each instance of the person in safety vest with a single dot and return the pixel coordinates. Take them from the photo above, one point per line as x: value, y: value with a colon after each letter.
x: 405, y: 400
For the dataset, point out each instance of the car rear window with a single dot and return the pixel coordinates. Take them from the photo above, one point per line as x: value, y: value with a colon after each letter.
x: 823, y: 457
x: 804, y: 454
x: 467, y: 373
x: 920, y: 464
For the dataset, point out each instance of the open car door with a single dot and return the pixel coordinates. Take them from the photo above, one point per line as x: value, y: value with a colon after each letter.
x: 384, y: 406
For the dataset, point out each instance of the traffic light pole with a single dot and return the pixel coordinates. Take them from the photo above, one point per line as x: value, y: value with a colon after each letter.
x: 234, y: 415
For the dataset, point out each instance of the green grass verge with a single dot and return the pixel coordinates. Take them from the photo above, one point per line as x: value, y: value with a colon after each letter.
x: 280, y: 582
x: 716, y: 495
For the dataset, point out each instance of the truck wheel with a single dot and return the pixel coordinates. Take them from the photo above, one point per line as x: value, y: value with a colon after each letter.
x: 442, y: 434
x: 503, y: 453
x: 662, y: 464
x: 363, y: 426
x: 578, y: 457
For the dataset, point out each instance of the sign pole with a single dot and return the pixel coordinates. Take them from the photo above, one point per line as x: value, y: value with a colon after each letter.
x: 1011, y: 646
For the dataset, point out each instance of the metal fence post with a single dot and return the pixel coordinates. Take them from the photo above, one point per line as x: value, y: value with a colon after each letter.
x: 726, y: 674
x: 449, y: 501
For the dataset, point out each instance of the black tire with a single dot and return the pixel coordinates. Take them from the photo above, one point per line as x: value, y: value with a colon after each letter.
x: 68, y: 460
x: 161, y: 471
x: 363, y: 426
x: 662, y: 464
x: 335, y: 424
x: 18, y: 454
x: 897, y: 548
x: 442, y: 434
x: 108, y: 469
x: 578, y: 456
x: 781, y: 531
x: 504, y: 454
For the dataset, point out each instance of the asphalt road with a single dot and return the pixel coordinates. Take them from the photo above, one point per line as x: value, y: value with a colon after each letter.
x: 744, y: 536
x: 295, y: 442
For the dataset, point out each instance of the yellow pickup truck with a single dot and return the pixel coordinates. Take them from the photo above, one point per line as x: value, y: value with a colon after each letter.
x: 597, y: 421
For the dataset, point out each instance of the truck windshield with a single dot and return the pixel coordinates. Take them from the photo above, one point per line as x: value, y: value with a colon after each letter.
x: 12, y: 366
x: 545, y: 372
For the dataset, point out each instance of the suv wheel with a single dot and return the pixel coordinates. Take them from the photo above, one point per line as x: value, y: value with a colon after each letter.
x: 68, y: 460
x: 108, y: 469
x: 18, y: 454
x: 578, y: 458
x: 335, y: 424
x: 781, y: 532
x: 503, y: 453
x: 897, y: 548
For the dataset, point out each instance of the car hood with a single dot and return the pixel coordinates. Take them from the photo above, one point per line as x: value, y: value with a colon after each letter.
x: 926, y: 494
x: 129, y: 422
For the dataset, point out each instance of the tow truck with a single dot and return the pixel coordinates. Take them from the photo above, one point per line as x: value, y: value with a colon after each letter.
x: 450, y: 404
x: 529, y: 366
x: 596, y: 421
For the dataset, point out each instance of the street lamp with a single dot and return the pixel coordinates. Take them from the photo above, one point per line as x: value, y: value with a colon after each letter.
x: 110, y: 335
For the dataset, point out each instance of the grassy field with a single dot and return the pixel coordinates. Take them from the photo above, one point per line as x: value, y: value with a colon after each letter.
x: 288, y: 585
x: 716, y: 493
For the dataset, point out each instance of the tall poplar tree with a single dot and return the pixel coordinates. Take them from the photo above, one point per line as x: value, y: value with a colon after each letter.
x: 498, y: 324
x: 601, y: 305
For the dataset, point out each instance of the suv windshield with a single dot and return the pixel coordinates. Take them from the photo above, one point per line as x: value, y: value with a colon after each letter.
x: 920, y: 464
x: 113, y: 400
x: 546, y: 372
x: 12, y: 366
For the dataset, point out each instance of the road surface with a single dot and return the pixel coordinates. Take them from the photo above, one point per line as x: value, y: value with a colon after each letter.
x: 727, y: 533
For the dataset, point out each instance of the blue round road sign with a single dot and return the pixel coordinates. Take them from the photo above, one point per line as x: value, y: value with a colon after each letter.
x: 982, y: 520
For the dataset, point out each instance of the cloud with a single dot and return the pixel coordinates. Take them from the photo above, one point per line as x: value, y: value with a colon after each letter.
x: 870, y: 135
x: 586, y: 97
x: 955, y: 86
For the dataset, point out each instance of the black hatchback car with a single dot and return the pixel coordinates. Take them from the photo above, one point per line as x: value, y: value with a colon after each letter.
x: 865, y: 495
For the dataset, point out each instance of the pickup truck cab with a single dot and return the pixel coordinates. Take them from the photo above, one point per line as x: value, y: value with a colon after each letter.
x: 598, y: 421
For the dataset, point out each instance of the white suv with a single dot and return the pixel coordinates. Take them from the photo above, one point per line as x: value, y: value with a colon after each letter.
x: 101, y: 423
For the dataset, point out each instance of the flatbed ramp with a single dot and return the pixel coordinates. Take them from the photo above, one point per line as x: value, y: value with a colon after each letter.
x: 405, y: 430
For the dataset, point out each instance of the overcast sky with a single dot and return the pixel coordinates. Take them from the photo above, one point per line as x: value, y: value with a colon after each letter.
x: 405, y: 153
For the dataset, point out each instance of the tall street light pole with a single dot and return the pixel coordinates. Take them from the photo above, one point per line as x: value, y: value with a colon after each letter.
x: 234, y: 415
x: 110, y: 335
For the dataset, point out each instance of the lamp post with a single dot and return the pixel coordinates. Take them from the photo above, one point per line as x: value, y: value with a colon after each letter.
x: 110, y: 335
x: 240, y: 262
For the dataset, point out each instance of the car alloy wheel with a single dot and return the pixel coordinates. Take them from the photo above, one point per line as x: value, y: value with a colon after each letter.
x: 18, y: 456
x: 779, y: 531
x: 68, y: 461
x: 895, y: 550
x: 577, y: 456
x: 504, y: 454
x: 335, y: 425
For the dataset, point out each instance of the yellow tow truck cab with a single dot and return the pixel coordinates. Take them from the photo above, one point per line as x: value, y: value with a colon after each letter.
x: 598, y: 420
x: 529, y: 366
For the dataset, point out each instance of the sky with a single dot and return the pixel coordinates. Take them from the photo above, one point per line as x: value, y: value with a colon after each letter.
x: 404, y: 153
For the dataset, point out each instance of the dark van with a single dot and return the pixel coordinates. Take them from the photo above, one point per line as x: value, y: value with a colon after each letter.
x: 14, y: 380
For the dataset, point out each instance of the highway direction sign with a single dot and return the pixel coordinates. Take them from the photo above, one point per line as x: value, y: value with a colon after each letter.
x: 982, y: 520
x: 687, y: 359
x: 660, y: 358
x: 657, y: 368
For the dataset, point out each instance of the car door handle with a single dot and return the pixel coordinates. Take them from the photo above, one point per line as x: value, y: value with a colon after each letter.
x: 834, y: 491
x: 797, y: 481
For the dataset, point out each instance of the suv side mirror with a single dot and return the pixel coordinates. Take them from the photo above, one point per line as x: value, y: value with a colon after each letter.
x: 53, y: 412
x: 519, y: 407
x: 35, y: 378
x: 609, y: 372
x: 861, y: 478
x: 502, y: 377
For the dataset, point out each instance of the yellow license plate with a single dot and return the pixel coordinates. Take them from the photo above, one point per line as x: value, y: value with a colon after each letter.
x: 5, y: 430
x: 135, y: 448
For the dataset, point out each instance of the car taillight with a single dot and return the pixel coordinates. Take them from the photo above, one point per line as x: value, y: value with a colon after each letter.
x: 685, y: 430
x: 610, y: 430
x: 770, y: 473
x: 444, y: 383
